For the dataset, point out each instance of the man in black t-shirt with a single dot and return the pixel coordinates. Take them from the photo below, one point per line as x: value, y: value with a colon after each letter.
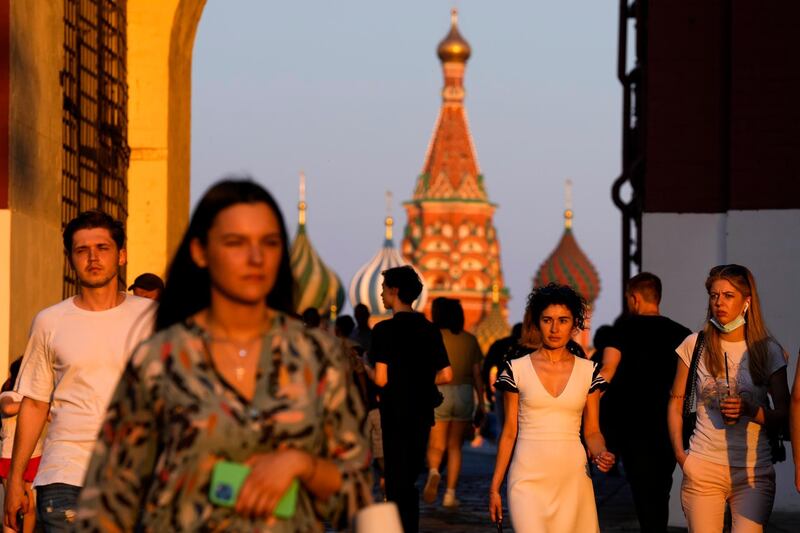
x: 495, y: 358
x: 410, y: 360
x: 639, y: 363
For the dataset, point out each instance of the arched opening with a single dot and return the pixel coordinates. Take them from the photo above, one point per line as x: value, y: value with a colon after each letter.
x: 160, y: 45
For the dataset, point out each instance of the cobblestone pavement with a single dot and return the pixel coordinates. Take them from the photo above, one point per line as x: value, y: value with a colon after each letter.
x: 614, y: 504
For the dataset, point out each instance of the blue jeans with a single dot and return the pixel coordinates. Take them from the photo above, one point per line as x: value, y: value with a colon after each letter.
x: 56, y: 506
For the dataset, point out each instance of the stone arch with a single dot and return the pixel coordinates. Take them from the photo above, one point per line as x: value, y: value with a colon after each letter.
x: 160, y: 47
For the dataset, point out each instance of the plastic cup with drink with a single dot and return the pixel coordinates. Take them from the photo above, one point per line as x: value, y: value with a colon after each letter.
x: 727, y: 389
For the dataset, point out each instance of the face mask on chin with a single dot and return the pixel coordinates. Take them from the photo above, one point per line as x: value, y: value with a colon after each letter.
x: 731, y: 326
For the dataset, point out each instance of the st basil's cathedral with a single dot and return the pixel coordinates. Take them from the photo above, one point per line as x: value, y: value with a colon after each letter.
x: 450, y: 237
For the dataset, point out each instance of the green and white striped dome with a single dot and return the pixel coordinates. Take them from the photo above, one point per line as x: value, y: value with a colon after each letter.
x: 316, y: 285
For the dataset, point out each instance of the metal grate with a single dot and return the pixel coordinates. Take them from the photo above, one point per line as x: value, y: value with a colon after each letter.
x: 634, y: 115
x: 95, y: 123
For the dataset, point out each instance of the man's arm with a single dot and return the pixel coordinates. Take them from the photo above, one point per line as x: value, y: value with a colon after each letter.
x: 444, y: 376
x: 378, y: 354
x: 30, y: 422
x: 381, y: 374
x: 478, y: 384
x: 611, y: 359
x: 8, y: 406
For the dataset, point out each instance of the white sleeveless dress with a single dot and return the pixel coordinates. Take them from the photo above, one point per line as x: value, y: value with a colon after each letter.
x: 549, y: 486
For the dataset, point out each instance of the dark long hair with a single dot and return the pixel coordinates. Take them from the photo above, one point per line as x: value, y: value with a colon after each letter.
x: 188, y: 287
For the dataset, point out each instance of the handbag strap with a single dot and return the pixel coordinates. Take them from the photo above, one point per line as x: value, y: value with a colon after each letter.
x: 690, y: 393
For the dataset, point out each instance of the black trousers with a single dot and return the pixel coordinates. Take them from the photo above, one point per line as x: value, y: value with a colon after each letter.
x: 404, y: 447
x: 649, y: 465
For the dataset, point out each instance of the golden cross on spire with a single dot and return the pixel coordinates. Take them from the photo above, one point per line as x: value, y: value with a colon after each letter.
x: 389, y: 220
x: 454, y: 16
x: 301, y: 205
x: 568, y: 204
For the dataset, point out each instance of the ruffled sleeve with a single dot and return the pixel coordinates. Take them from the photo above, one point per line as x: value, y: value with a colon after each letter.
x: 505, y: 378
x: 598, y: 381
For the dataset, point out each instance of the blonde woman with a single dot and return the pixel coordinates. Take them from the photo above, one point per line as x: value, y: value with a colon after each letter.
x: 740, y: 368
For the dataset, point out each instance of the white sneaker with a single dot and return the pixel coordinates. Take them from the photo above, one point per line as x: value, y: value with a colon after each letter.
x: 431, y: 489
x: 450, y: 501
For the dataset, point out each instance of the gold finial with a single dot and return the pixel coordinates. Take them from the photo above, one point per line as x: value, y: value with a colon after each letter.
x: 389, y: 220
x: 334, y: 311
x: 301, y: 205
x: 389, y: 224
x: 568, y: 204
x: 454, y: 48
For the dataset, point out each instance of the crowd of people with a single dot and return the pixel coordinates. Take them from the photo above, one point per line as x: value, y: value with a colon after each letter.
x: 207, y: 402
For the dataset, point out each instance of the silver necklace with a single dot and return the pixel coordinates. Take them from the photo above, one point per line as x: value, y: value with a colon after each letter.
x: 241, y: 348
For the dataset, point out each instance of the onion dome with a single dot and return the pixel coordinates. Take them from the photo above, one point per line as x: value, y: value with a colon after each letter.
x: 568, y: 265
x: 494, y: 325
x: 454, y: 48
x: 365, y: 286
x: 316, y: 284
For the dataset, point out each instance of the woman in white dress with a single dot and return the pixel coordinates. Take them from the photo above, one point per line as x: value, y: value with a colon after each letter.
x: 547, y: 394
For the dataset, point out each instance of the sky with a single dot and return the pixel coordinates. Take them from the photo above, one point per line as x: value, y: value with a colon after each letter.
x: 348, y: 92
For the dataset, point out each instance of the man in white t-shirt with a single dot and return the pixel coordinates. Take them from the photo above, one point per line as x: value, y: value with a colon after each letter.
x: 76, y: 352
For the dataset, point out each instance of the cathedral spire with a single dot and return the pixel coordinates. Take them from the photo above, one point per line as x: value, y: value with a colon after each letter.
x: 454, y: 48
x: 389, y: 222
x: 316, y: 284
x: 301, y: 205
x: 568, y: 204
x: 450, y: 236
x: 453, y: 51
x: 451, y: 167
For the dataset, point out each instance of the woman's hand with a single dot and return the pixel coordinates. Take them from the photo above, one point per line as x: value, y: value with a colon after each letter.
x: 604, y: 460
x: 356, y: 362
x: 495, y: 506
x: 734, y: 407
x: 681, y: 458
x: 16, y: 501
x: 270, y: 477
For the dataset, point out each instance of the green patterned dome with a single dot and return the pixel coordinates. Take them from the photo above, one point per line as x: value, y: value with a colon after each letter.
x: 317, y: 285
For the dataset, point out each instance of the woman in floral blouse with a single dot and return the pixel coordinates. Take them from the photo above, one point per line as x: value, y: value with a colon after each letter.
x: 229, y: 376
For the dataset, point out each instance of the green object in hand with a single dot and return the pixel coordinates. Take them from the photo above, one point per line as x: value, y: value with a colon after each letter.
x: 288, y: 503
x: 226, y: 482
